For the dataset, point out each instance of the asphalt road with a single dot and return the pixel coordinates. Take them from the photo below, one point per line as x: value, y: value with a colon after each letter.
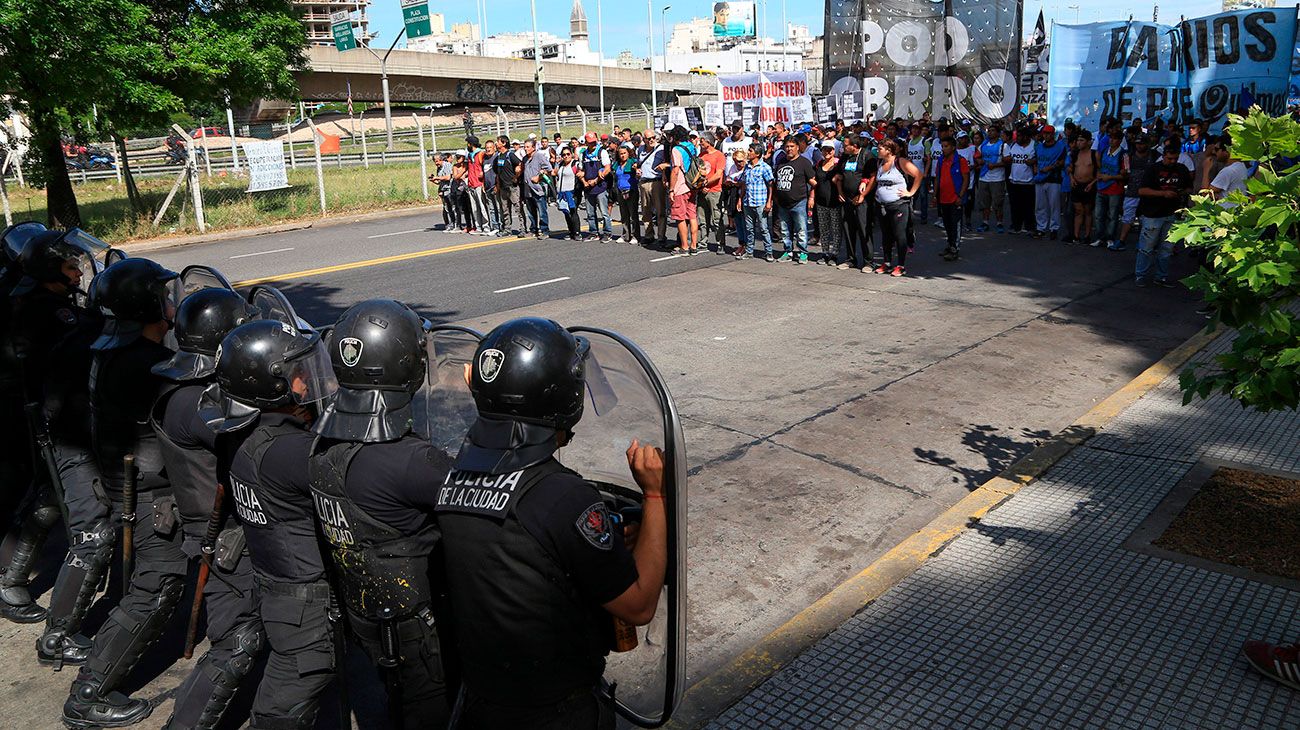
x: 828, y: 414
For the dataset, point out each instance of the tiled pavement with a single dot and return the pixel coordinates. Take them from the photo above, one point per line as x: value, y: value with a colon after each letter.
x: 1037, y: 617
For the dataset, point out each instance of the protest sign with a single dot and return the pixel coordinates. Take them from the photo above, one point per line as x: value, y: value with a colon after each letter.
x: 265, y: 162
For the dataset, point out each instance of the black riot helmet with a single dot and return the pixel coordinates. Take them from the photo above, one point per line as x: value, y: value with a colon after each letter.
x: 262, y: 365
x: 528, y: 379
x: 203, y: 320
x: 43, y: 257
x: 378, y: 350
x: 134, y: 290
x: 15, y: 238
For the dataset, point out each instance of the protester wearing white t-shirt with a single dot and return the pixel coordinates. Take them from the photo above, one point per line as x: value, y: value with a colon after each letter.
x: 1021, y: 188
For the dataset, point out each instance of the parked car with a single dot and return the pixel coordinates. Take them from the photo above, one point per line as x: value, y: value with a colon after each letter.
x: 207, y: 132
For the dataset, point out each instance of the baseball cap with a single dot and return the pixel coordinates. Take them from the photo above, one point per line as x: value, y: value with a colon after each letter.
x: 805, y: 128
x: 604, y: 137
x: 1049, y: 129
x: 515, y: 141
x: 590, y: 137
x: 962, y: 135
x: 828, y: 143
x: 532, y: 136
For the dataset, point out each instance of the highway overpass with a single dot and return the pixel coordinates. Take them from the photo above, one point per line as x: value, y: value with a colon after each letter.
x: 437, y: 78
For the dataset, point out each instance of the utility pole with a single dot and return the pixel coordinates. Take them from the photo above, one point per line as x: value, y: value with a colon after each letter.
x: 663, y: 34
x: 383, y: 80
x: 538, y: 81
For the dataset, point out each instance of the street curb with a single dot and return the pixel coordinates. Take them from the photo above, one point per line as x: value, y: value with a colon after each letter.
x: 338, y: 220
x: 710, y: 696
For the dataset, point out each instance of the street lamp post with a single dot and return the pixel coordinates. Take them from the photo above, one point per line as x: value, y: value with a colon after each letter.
x: 663, y: 34
x: 383, y: 80
x: 785, y: 35
x: 1075, y: 8
x: 600, y: 49
x: 537, y: 74
x: 650, y: 44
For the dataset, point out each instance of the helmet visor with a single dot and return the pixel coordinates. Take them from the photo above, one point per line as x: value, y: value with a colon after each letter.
x: 223, y: 413
x: 310, y: 372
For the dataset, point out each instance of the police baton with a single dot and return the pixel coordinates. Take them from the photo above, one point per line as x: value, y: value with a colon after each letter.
x: 390, y: 660
x: 45, y: 449
x: 128, y: 521
x: 205, y: 567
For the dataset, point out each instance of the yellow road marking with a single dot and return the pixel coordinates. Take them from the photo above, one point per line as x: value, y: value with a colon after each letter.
x: 376, y: 262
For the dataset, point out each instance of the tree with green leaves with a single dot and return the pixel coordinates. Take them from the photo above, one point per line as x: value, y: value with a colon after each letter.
x: 1252, y: 275
x: 113, y: 65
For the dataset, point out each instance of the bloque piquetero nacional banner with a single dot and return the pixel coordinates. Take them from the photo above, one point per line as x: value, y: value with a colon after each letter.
x: 765, y: 98
x: 952, y: 58
x: 1202, y: 68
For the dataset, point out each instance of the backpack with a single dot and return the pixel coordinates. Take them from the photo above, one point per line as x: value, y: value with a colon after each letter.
x: 691, y: 169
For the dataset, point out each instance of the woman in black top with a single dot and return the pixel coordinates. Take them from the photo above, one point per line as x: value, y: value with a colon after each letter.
x: 827, y: 204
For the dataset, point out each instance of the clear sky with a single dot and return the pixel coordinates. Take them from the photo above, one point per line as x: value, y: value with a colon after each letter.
x: 625, y: 21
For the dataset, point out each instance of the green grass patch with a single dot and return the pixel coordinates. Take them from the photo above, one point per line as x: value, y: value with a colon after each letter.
x: 106, y: 212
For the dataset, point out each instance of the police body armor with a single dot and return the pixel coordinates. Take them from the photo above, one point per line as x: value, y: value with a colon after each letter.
x: 378, y: 567
x: 559, y: 641
x: 114, y: 433
x: 280, y: 553
x: 192, y: 471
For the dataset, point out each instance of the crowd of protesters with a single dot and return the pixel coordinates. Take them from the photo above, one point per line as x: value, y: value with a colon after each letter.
x: 857, y: 190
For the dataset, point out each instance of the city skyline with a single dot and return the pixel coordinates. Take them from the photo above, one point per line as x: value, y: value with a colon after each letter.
x: 627, y: 30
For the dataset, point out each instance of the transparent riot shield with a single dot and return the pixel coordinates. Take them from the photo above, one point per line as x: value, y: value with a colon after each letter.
x: 627, y: 399
x: 112, y: 256
x: 444, y: 409
x: 273, y: 304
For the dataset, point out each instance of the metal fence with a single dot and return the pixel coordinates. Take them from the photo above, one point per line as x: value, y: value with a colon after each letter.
x: 358, y: 145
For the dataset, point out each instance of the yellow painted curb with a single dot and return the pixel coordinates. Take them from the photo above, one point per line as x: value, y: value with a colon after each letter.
x: 718, y: 691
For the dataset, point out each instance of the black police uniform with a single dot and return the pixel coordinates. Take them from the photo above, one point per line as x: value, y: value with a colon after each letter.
x: 92, y: 528
x: 192, y: 455
x: 374, y: 503
x: 531, y: 557
x: 122, y: 391
x: 41, y: 318
x: 272, y: 499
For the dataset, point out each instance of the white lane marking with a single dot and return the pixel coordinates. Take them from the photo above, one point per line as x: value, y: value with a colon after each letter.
x: 528, y: 286
x: 397, y: 233
x: 663, y: 258
x: 262, y: 253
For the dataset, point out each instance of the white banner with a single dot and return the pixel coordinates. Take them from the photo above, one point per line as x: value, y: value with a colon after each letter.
x: 677, y: 116
x: 265, y: 162
x: 713, y: 114
x: 776, y: 96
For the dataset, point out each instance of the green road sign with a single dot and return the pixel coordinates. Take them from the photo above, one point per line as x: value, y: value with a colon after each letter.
x: 415, y: 13
x: 341, y: 24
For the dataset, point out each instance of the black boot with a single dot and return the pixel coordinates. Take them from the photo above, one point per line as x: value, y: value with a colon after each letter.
x: 88, y: 708
x: 16, y: 604
x: 57, y: 649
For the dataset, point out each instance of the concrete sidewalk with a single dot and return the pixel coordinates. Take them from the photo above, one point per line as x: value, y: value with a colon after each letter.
x: 1044, y: 614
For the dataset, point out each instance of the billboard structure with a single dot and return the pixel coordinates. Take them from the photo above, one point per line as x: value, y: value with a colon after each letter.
x: 1202, y: 68
x: 952, y: 58
x: 733, y: 20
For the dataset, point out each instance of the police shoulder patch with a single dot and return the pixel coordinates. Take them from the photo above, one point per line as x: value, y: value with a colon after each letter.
x: 594, y: 526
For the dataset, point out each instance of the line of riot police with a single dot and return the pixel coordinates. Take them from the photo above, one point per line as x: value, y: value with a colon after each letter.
x: 318, y: 479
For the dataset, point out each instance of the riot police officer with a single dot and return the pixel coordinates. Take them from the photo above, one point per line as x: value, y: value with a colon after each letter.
x: 15, y: 463
x: 122, y: 392
x: 536, y: 571
x: 192, y: 455
x: 372, y: 483
x: 261, y: 399
x: 43, y: 311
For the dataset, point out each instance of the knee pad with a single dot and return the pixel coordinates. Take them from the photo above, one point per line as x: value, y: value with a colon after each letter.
x: 302, y: 716
x: 245, y: 643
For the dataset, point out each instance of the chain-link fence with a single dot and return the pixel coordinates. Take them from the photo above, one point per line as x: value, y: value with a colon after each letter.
x: 198, y: 179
